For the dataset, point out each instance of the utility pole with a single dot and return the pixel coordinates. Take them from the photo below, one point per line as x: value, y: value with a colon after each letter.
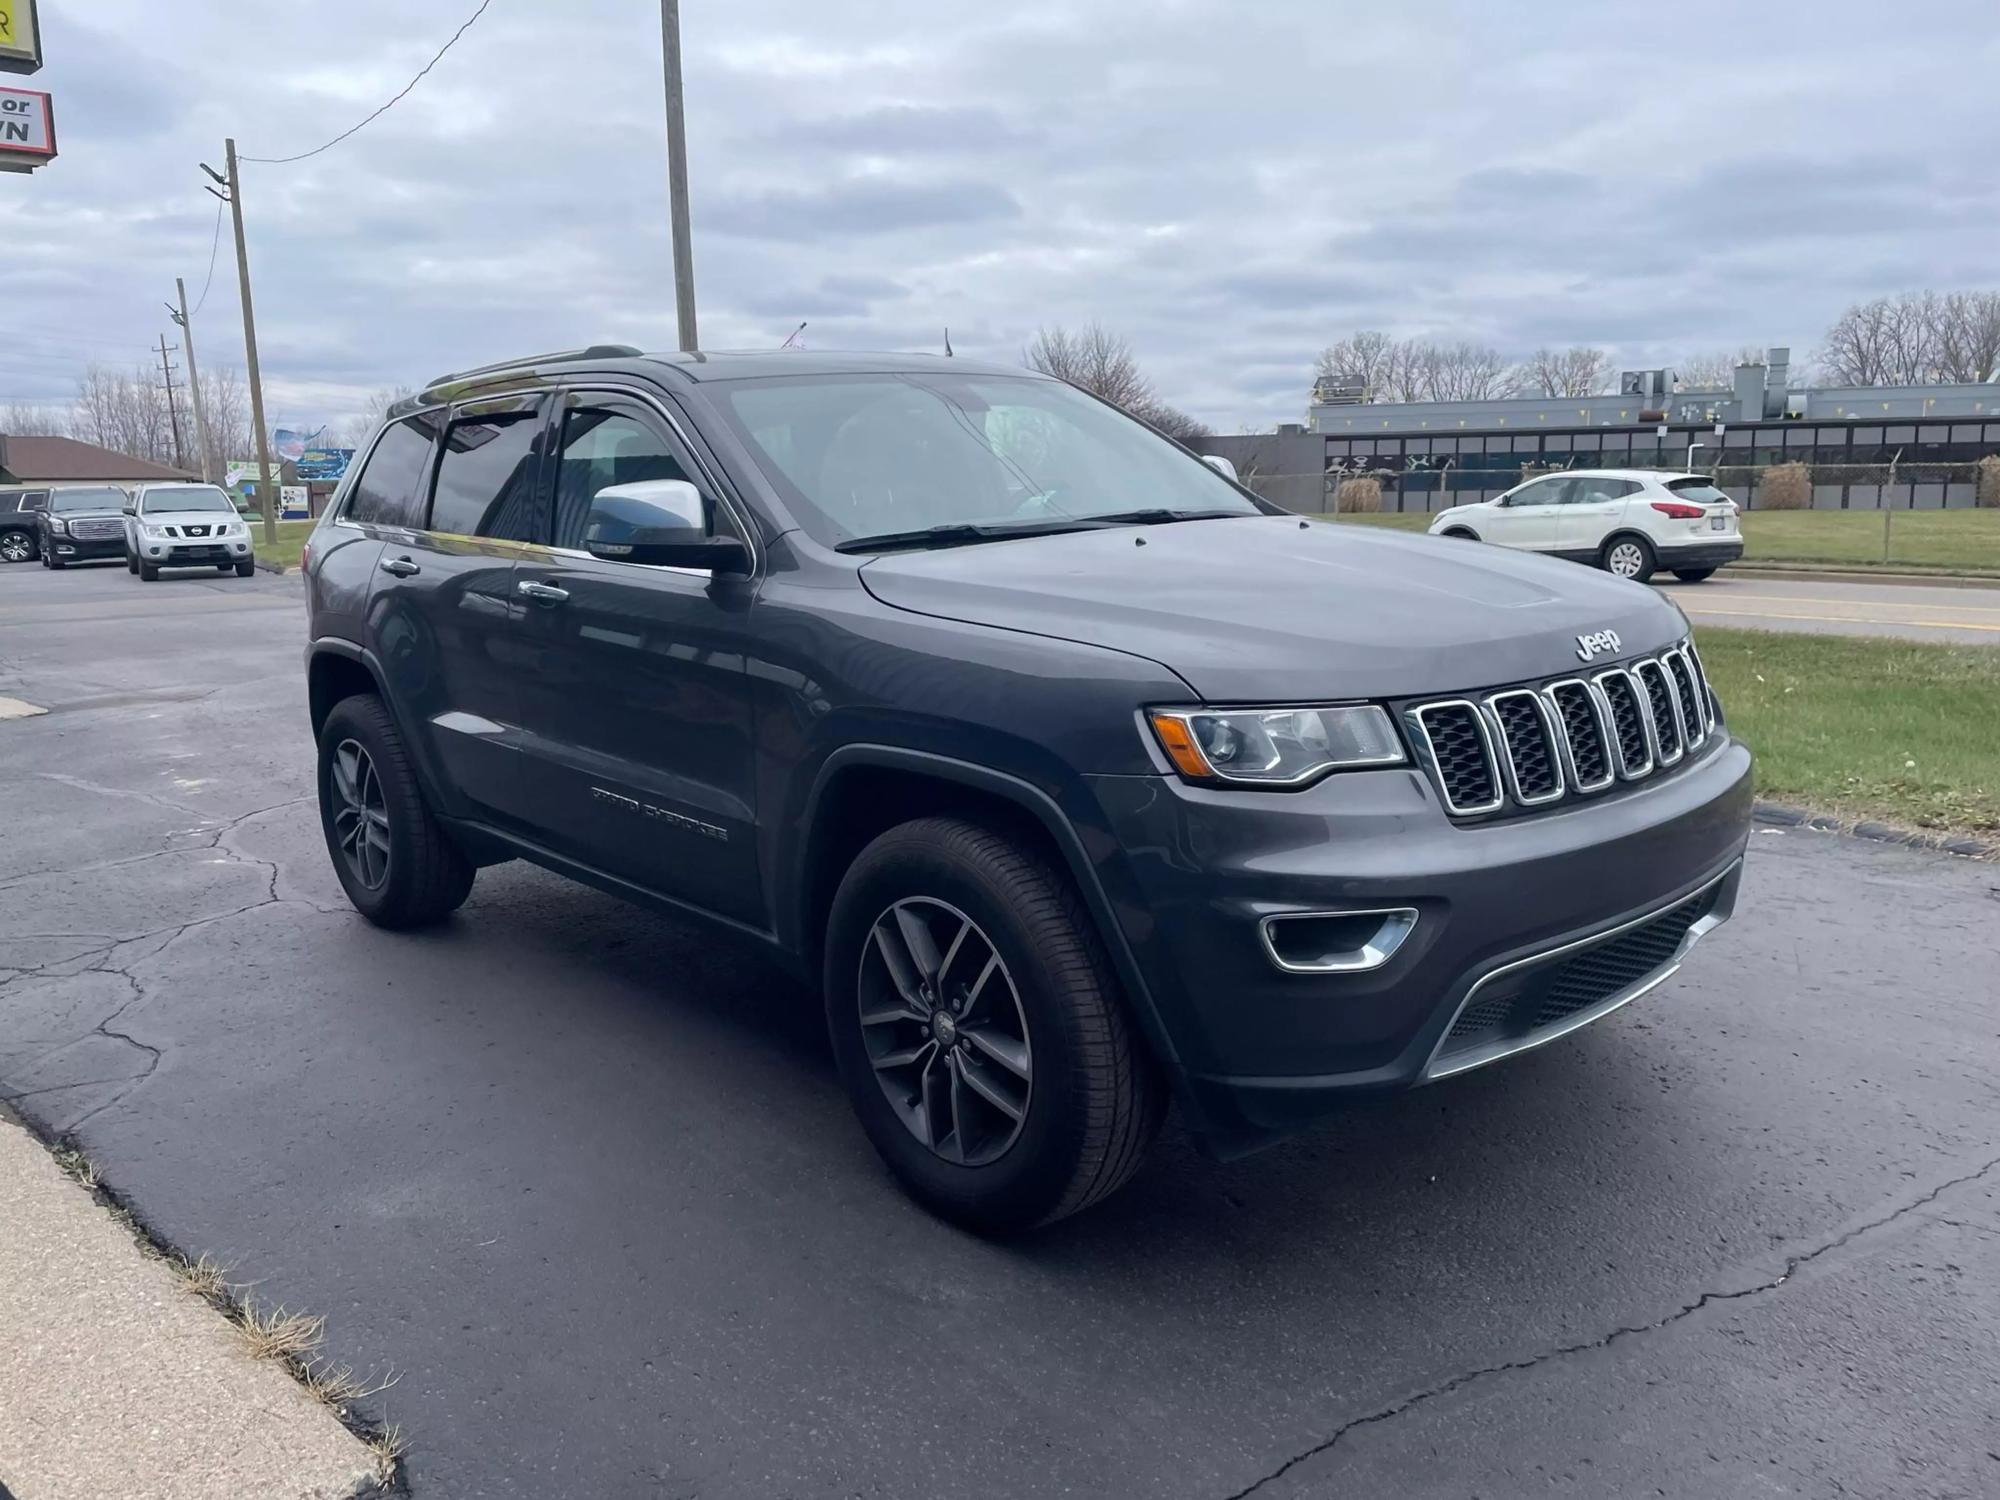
x: 267, y: 484
x: 173, y: 412
x: 186, y: 326
x: 677, y: 174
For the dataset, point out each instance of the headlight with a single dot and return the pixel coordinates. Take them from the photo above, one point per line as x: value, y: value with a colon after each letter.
x: 1275, y: 746
x: 153, y: 531
x: 58, y: 526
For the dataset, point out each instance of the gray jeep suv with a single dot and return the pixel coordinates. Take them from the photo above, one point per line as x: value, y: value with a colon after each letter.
x: 1077, y: 777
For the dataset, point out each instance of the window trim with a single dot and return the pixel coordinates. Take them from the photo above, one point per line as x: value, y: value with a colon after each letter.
x: 585, y: 385
x: 533, y: 405
x: 338, y: 514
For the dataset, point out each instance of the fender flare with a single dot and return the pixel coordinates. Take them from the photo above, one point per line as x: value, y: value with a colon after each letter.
x: 1039, y: 805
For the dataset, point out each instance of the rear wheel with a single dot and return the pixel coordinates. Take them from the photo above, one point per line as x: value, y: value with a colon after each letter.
x: 1628, y: 556
x: 1693, y: 575
x: 396, y: 864
x: 16, y: 546
x: 980, y: 1029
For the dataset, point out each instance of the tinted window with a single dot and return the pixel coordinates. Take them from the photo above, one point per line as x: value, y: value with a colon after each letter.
x: 194, y: 497
x: 1590, y: 491
x: 10, y: 502
x: 486, y: 477
x: 1541, y: 492
x: 390, y: 490
x: 99, y: 497
x: 1698, y: 491
x: 601, y: 446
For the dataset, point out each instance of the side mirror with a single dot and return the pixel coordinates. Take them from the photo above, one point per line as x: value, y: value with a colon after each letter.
x: 659, y: 523
x: 130, y: 509
x: 1221, y: 466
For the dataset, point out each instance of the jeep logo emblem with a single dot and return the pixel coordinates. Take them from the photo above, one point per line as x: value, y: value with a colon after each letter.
x: 1596, y: 644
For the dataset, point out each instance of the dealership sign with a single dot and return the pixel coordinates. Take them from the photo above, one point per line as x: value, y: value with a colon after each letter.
x: 318, y: 465
x: 20, y: 37
x: 27, y: 129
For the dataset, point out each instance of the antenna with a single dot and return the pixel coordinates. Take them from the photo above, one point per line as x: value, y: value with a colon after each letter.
x: 793, y: 335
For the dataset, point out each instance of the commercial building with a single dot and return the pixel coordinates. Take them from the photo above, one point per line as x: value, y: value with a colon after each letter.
x: 1868, y: 447
x: 54, y: 462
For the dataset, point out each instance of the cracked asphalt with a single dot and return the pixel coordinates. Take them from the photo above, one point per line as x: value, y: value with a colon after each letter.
x: 584, y: 1177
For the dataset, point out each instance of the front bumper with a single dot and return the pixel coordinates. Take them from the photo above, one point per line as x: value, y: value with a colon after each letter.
x: 1701, y: 554
x: 84, y: 548
x: 173, y: 553
x: 1261, y: 1050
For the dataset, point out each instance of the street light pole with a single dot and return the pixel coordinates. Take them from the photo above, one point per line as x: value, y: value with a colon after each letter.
x: 267, y: 499
x: 1691, y: 447
x: 677, y: 174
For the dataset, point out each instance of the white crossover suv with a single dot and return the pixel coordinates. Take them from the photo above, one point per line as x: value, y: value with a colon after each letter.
x: 185, y: 526
x: 1626, y: 521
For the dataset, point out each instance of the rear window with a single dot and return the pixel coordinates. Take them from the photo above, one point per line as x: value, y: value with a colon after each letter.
x: 390, y: 490
x: 1697, y: 491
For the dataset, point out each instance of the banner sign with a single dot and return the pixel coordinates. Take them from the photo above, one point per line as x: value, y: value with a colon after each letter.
x: 20, y: 37
x: 27, y: 129
x: 291, y: 443
x: 323, y: 465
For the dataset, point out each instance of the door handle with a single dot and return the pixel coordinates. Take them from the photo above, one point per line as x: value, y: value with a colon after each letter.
x: 402, y: 567
x: 541, y: 593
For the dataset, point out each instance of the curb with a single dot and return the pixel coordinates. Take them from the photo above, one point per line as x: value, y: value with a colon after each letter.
x: 1783, y: 816
x: 271, y: 567
x: 1866, y: 575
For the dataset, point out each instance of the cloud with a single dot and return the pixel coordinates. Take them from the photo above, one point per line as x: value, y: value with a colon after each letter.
x: 1230, y: 187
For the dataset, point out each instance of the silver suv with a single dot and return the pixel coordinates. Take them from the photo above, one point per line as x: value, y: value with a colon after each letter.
x: 185, y: 526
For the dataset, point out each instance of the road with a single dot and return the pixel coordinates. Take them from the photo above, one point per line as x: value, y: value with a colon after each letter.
x: 583, y: 1177
x: 1828, y: 606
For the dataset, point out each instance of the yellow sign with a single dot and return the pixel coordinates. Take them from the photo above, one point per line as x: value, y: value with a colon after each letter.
x: 20, y: 37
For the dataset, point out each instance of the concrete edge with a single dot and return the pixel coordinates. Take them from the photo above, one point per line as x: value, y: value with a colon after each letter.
x: 1781, y: 815
x: 1807, y: 572
x: 271, y: 567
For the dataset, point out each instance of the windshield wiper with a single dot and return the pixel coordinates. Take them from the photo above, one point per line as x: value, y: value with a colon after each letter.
x: 960, y: 534
x: 1162, y: 517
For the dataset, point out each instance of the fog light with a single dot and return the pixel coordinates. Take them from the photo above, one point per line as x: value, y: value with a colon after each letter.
x: 1336, y: 942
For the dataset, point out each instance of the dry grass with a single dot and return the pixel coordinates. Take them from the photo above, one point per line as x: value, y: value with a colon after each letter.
x: 274, y: 1333
x: 1988, y: 493
x: 77, y: 1167
x: 1363, y: 496
x: 1785, y: 487
x: 203, y: 1277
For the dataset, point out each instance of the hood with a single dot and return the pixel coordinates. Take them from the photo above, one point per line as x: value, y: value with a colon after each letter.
x: 188, y: 517
x: 1264, y: 609
x: 88, y: 513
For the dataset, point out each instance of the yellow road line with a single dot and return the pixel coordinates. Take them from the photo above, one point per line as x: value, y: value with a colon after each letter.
x: 1777, y: 614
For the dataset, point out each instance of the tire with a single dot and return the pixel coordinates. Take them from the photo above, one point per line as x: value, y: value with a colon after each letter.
x: 149, y: 572
x: 131, y: 563
x: 245, y: 569
x: 55, y: 562
x: 421, y: 877
x: 16, y: 546
x: 1628, y: 556
x: 1693, y: 575
x: 1090, y: 1099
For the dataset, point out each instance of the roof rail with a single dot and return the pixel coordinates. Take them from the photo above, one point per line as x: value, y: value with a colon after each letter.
x: 594, y: 351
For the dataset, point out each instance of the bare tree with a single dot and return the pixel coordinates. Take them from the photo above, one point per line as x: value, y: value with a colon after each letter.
x: 26, y: 419
x: 125, y: 413
x: 1361, y: 359
x: 225, y: 400
x: 1715, y: 369
x: 1097, y: 360
x: 357, y: 429
x: 1465, y: 372
x: 1577, y: 371
x: 1967, y: 334
x: 1914, y: 338
x: 1404, y: 370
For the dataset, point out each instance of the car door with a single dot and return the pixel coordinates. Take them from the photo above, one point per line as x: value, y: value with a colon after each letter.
x: 1529, y: 517
x: 635, y: 703
x: 1593, y: 509
x: 455, y: 495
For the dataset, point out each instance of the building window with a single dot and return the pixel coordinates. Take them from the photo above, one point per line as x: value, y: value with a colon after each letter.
x: 1527, y: 444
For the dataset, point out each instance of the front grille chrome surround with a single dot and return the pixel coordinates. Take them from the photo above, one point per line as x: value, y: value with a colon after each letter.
x: 1530, y: 783
x: 1586, y: 742
x: 1449, y: 786
x: 1540, y: 745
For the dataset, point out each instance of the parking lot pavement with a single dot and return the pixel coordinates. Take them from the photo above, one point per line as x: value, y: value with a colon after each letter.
x: 583, y: 1175
x: 1834, y: 606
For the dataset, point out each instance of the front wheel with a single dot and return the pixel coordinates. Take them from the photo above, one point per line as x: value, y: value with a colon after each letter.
x: 394, y: 861
x: 980, y: 1030
x: 131, y: 563
x: 245, y: 568
x: 1693, y: 575
x: 1628, y: 557
x: 149, y: 573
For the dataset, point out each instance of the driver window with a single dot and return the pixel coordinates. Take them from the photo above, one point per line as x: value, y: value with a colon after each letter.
x: 1541, y: 492
x: 604, y: 445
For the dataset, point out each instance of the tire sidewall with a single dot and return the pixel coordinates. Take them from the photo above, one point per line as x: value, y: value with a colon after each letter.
x: 1647, y: 561
x: 1027, y: 1182
x: 364, y: 720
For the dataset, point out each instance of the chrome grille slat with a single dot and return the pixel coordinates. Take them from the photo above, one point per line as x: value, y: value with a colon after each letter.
x: 1533, y: 746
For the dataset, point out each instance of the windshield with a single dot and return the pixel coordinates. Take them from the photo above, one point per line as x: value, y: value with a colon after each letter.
x: 859, y: 456
x: 194, y: 497
x: 99, y: 498
x: 1700, y: 491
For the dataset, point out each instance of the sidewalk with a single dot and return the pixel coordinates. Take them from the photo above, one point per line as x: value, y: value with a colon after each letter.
x: 116, y: 1382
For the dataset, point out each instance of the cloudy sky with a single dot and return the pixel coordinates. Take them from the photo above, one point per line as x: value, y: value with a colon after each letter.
x: 1228, y: 183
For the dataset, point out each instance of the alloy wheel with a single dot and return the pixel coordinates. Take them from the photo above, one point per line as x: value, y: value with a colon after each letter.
x: 14, y: 547
x: 945, y: 1031
x: 361, y: 816
x: 1626, y: 559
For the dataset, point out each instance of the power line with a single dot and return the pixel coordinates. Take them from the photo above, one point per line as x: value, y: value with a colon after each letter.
x: 213, y: 245
x: 282, y: 160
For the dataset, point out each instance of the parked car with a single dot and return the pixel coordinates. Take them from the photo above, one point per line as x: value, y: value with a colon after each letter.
x: 80, y: 523
x: 18, y: 514
x: 1626, y: 521
x: 1074, y: 775
x: 185, y: 526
